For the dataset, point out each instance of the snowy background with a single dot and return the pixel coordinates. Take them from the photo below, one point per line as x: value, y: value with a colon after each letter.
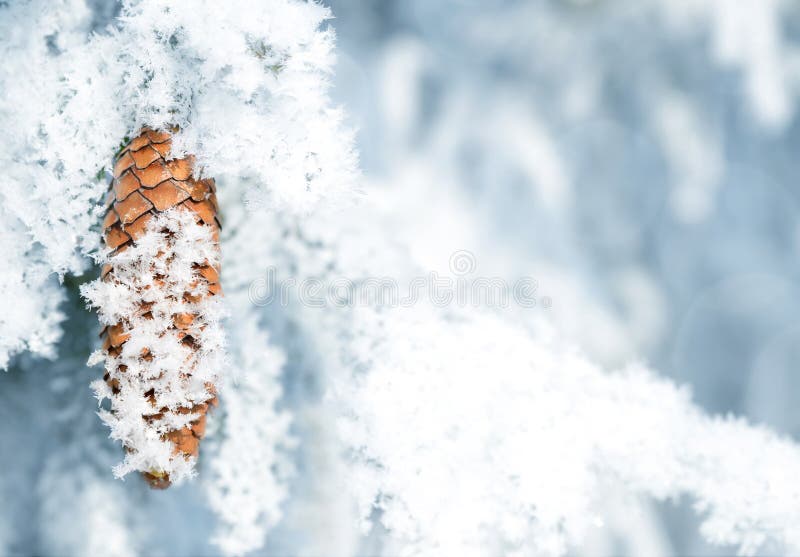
x: 638, y: 159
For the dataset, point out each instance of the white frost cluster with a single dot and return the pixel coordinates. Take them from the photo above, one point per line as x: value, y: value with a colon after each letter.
x: 39, y: 220
x: 464, y: 433
x: 33, y: 321
x: 469, y: 432
x: 246, y: 482
x: 249, y: 444
x: 157, y: 373
x: 473, y: 436
x: 246, y: 83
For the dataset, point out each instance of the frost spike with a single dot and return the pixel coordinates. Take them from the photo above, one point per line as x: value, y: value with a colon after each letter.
x: 146, y: 185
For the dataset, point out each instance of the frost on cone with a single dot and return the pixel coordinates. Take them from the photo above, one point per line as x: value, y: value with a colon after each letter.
x: 158, y: 299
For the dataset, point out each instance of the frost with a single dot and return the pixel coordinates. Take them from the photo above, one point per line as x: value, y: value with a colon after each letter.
x: 246, y: 485
x: 250, y: 103
x: 249, y: 451
x: 470, y: 434
x: 475, y: 433
x: 156, y: 374
x: 449, y: 431
x: 33, y: 321
x: 36, y: 216
x: 246, y: 83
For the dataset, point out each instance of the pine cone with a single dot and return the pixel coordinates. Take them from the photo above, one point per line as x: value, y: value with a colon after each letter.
x: 147, y: 194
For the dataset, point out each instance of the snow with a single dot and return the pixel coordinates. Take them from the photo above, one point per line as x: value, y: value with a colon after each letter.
x: 515, y: 439
x: 154, y: 359
x: 597, y: 155
x: 251, y: 103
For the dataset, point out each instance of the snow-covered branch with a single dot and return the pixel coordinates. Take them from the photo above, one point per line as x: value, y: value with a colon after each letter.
x: 471, y: 436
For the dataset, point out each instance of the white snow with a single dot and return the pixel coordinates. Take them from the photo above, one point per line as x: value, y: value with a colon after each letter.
x: 156, y: 271
x: 436, y: 431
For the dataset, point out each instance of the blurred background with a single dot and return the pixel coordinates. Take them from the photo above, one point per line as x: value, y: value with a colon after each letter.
x: 639, y: 158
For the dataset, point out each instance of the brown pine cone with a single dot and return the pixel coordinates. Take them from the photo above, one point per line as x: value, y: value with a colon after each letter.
x: 146, y: 187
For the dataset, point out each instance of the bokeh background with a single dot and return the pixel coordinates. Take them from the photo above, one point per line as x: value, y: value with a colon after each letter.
x: 639, y: 158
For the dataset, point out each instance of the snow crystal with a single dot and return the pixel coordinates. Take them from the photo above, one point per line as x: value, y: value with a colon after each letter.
x: 246, y: 83
x: 155, y: 370
x: 471, y: 434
